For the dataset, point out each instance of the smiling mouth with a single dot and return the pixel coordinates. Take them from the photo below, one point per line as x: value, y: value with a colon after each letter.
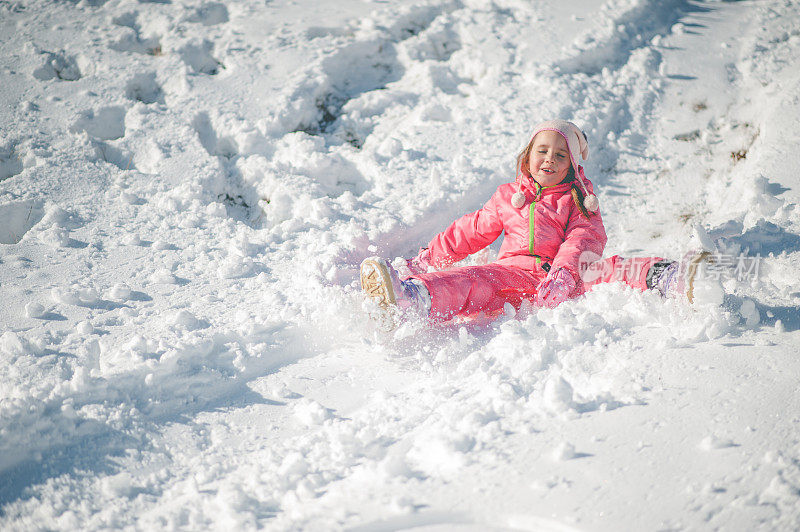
x: 548, y: 171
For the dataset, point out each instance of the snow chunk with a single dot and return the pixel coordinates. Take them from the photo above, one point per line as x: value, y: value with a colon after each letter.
x: 282, y: 391
x: 75, y: 295
x: 713, y: 442
x: 132, y: 239
x: 34, y: 310
x: 391, y: 147
x: 557, y: 396
x: 310, y: 412
x: 778, y: 491
x: 119, y: 292
x: 54, y: 236
x: 184, y: 318
x: 708, y: 291
x: 84, y: 327
x: 750, y: 313
x: 14, y: 345
x: 440, y: 453
x: 136, y: 344
x: 163, y: 277
x: 236, y: 268
x: 563, y: 451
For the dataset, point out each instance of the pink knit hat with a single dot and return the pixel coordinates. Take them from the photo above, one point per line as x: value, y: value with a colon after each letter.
x: 577, y: 144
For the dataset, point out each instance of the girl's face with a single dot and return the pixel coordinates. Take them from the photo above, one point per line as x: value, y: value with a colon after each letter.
x: 549, y: 161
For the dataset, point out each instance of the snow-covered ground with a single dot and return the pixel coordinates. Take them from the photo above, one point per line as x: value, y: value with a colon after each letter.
x: 187, y: 189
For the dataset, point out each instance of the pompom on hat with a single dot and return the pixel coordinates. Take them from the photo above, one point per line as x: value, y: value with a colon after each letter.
x: 577, y: 144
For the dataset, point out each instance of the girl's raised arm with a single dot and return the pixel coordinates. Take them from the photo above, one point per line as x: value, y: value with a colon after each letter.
x: 467, y: 235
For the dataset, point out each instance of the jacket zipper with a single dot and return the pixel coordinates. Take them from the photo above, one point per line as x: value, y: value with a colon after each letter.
x: 531, y: 226
x: 531, y: 220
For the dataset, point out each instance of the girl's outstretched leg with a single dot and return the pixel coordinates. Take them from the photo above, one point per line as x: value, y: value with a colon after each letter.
x: 471, y: 289
x: 685, y: 278
x: 630, y: 271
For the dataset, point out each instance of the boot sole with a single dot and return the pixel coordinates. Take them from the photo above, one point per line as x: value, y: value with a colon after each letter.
x: 691, y: 273
x: 377, y: 285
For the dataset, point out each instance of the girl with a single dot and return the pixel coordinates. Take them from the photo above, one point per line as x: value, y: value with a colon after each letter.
x: 553, y: 237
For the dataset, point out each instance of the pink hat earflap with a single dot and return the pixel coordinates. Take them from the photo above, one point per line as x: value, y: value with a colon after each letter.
x: 518, y: 199
x: 590, y: 201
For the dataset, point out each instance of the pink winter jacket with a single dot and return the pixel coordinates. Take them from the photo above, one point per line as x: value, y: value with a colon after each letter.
x: 558, y: 233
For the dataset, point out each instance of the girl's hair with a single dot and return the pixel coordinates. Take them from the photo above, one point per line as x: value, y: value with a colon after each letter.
x: 523, y: 159
x: 524, y: 167
x: 577, y: 197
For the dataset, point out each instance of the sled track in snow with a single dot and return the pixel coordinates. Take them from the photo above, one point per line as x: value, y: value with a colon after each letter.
x: 363, y: 66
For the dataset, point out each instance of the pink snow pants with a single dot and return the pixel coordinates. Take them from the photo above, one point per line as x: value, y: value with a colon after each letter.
x: 471, y: 289
x: 631, y: 271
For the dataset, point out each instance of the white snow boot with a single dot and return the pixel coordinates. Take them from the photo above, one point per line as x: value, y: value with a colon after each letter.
x: 381, y: 283
x: 689, y: 278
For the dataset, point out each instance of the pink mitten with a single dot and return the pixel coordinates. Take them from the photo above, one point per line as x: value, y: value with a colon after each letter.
x: 555, y: 288
x: 408, y: 267
x: 421, y: 262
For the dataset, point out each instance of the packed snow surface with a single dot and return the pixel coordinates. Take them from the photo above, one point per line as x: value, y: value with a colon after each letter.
x: 188, y: 187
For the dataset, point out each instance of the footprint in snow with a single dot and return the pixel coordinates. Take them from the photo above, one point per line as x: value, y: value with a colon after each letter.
x: 10, y: 161
x: 58, y: 66
x: 209, y: 14
x: 105, y: 123
x: 144, y: 88
x: 122, y: 159
x: 17, y: 218
x: 198, y: 57
x: 131, y: 38
x: 215, y: 144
